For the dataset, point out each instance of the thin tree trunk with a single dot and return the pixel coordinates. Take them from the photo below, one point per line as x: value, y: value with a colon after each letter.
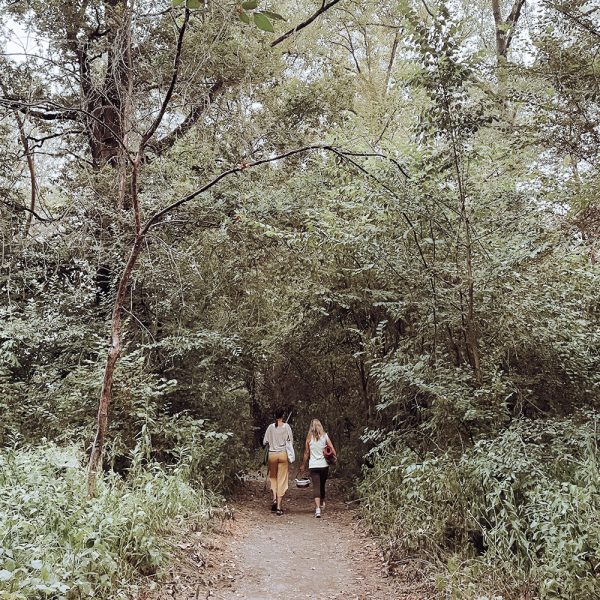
x: 470, y: 326
x: 504, y: 31
x: 499, y: 30
x: 472, y: 333
x: 388, y: 73
x: 113, y: 355
x: 364, y: 387
x: 32, y: 176
x: 29, y: 155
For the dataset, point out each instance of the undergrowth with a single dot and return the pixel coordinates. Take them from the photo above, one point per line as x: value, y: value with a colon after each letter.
x: 517, y: 515
x: 55, y: 543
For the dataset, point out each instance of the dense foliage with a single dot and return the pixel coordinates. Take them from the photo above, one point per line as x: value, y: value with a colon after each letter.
x: 58, y: 544
x: 516, y: 514
x: 425, y: 281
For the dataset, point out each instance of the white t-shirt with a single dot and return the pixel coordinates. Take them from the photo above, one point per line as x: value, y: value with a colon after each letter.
x: 276, y: 437
x: 317, y: 458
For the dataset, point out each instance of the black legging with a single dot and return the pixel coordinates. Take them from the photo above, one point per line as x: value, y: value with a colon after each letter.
x: 319, y: 477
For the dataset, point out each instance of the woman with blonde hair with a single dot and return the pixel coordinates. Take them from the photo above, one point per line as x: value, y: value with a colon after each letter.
x: 316, y: 442
x: 278, y: 434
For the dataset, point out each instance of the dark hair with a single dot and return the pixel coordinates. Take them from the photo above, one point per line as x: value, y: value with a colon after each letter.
x: 279, y: 415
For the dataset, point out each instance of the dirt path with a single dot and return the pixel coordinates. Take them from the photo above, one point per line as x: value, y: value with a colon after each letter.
x: 261, y: 556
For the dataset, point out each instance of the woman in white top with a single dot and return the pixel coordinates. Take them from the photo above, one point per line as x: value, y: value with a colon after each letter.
x: 316, y: 440
x: 276, y: 436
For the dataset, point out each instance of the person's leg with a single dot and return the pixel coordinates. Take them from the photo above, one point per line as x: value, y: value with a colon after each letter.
x: 282, y: 477
x: 324, y: 476
x: 273, y: 474
x: 315, y: 476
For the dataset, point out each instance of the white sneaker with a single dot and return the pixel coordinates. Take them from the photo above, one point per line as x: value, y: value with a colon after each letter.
x: 318, y: 513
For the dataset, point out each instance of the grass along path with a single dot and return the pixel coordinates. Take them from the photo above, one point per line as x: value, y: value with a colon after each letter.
x: 260, y: 556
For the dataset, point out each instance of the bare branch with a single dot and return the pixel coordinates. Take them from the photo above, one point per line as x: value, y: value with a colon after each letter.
x: 324, y: 8
x: 378, y: 155
x: 28, y: 210
x: 39, y: 142
x: 429, y: 11
x: 38, y: 110
x: 72, y: 114
x: 578, y: 20
x: 511, y: 21
x: 167, y: 98
x: 159, y: 146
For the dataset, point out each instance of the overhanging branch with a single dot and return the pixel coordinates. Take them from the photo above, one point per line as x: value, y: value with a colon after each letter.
x: 347, y: 156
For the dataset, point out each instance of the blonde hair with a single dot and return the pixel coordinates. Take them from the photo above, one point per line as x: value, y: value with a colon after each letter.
x: 316, y: 429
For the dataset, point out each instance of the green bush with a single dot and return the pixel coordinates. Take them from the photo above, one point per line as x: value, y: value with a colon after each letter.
x: 55, y: 543
x: 520, y: 511
x: 207, y: 458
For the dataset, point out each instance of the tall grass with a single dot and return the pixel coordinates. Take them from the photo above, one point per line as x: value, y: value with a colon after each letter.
x: 55, y: 543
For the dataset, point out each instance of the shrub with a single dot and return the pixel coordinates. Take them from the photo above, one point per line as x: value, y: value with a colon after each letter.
x: 520, y: 511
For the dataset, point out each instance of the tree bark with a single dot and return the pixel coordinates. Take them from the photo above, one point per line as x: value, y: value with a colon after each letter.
x: 505, y: 28
x: 111, y: 362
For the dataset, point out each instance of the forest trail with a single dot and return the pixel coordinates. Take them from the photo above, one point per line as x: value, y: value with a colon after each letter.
x: 261, y: 556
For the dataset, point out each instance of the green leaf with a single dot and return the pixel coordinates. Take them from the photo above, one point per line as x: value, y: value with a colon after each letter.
x: 263, y: 23
x: 250, y: 5
x: 177, y: 2
x: 193, y: 3
x: 244, y: 18
x: 272, y: 15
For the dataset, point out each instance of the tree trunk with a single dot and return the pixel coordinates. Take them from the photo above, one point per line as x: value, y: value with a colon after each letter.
x: 109, y: 369
x: 106, y: 102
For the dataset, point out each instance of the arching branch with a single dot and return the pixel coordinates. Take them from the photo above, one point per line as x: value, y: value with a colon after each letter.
x: 28, y: 210
x: 123, y: 283
x: 344, y: 155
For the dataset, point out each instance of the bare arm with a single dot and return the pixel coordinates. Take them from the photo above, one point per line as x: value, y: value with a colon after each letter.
x: 306, y: 454
x: 330, y: 443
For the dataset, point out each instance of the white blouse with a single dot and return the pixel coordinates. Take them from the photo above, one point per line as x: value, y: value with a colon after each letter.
x: 276, y: 437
